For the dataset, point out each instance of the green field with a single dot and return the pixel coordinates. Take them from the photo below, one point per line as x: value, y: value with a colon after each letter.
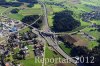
x: 25, y: 12
x: 50, y: 20
x: 50, y: 53
x: 93, y: 33
x: 91, y: 2
x: 16, y: 16
x: 2, y: 9
x: 31, y: 11
x: 65, y: 49
x: 92, y: 44
x: 36, y: 6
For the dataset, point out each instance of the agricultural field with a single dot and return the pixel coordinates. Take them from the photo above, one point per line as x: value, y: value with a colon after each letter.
x: 91, y: 2
x: 30, y: 11
x: 2, y: 9
x: 16, y: 16
x: 24, y: 11
x: 37, y: 6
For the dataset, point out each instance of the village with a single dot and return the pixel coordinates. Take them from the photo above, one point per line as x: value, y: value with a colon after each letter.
x: 8, y: 25
x: 15, y: 40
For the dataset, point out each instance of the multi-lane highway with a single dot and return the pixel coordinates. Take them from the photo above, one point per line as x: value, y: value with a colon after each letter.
x: 51, y: 42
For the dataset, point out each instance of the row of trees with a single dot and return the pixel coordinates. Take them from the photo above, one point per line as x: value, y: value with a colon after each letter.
x: 28, y: 1
x: 4, y: 3
x: 13, y: 4
x: 2, y: 0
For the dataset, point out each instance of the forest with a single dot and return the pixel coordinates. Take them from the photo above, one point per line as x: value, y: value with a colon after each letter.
x: 64, y: 21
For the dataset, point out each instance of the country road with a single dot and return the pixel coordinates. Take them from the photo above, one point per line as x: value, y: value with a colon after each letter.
x: 45, y: 20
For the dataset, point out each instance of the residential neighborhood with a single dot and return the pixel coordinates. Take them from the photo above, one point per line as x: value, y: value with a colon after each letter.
x: 8, y: 25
